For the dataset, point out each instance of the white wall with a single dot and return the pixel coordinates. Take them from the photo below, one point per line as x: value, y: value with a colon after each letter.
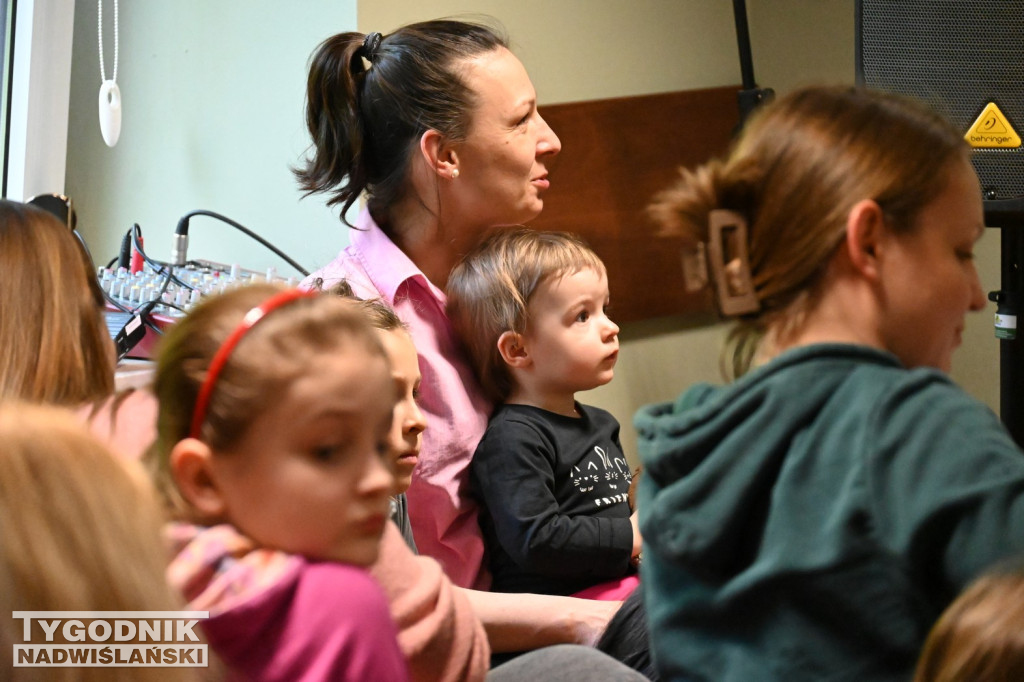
x: 212, y: 97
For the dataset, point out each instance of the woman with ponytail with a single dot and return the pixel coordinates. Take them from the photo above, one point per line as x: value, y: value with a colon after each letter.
x: 811, y: 519
x: 436, y: 126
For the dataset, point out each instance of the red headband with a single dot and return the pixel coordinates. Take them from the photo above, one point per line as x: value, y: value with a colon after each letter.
x: 224, y: 352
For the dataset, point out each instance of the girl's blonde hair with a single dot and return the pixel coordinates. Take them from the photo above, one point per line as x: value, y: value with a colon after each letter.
x: 56, y: 347
x: 980, y: 636
x: 798, y: 168
x: 489, y: 292
x: 268, y: 357
x: 78, y: 532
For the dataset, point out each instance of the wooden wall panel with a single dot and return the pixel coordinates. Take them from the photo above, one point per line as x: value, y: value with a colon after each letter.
x: 616, y: 155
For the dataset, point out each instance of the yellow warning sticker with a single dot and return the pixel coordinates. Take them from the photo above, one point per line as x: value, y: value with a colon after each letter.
x: 992, y: 130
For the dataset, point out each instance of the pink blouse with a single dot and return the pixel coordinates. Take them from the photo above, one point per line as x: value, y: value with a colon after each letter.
x: 443, y: 517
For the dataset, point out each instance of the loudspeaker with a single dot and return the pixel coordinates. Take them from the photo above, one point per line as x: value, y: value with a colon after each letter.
x: 966, y: 58
x: 961, y: 56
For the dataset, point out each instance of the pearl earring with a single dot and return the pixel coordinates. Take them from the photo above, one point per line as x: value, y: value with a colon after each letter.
x: 455, y: 173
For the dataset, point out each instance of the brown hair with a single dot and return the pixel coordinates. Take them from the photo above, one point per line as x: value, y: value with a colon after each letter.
x: 380, y: 314
x: 797, y: 169
x: 78, y: 531
x: 370, y: 98
x: 56, y: 347
x: 489, y: 292
x: 980, y: 636
x: 269, y: 356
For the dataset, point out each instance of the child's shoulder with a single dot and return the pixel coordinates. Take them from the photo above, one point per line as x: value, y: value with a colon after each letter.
x: 509, y: 418
x: 594, y: 412
x: 514, y: 417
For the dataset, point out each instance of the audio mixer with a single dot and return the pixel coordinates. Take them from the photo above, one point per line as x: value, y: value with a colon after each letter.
x: 172, y: 297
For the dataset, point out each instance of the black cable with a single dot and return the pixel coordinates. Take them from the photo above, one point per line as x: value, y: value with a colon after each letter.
x: 132, y: 311
x: 182, y: 230
x: 124, y: 257
x: 85, y: 247
x: 143, y: 310
x: 167, y: 304
x: 133, y: 239
x: 161, y: 267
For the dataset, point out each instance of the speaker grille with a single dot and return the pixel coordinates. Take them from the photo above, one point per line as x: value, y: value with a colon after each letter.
x: 958, y: 56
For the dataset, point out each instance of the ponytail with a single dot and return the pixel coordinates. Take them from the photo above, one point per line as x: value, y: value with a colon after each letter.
x: 333, y: 88
x: 369, y: 99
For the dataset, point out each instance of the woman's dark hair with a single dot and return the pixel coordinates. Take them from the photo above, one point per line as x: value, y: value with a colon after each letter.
x: 369, y: 99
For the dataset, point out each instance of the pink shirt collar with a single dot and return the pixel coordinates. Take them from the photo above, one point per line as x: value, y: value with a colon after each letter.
x: 384, y: 263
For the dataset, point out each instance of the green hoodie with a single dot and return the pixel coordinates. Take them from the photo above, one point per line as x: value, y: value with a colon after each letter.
x: 812, y: 520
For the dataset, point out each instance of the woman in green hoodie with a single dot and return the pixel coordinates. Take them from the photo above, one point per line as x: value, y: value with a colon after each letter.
x: 811, y: 519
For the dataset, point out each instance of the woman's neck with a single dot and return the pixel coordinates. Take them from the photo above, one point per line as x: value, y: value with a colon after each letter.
x: 846, y: 312
x: 432, y: 245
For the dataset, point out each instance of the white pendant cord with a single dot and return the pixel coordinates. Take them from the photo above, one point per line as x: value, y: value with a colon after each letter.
x: 99, y: 33
x: 110, y: 94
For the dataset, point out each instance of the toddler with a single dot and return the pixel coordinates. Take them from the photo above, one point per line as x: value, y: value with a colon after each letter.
x: 549, y: 471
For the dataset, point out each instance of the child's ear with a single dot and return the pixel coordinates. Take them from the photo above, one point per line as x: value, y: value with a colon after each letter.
x: 191, y: 468
x: 865, y: 231
x: 513, y: 350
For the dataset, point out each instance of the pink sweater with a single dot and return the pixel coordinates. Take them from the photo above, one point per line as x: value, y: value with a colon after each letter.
x: 443, y: 515
x: 438, y: 632
x: 275, y: 616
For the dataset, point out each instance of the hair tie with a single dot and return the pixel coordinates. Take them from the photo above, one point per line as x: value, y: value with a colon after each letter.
x: 371, y: 43
x: 220, y: 358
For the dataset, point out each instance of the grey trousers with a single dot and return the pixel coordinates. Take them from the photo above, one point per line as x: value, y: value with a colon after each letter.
x: 563, y: 662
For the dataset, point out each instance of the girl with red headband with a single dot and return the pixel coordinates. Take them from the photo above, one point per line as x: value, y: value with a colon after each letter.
x: 275, y: 413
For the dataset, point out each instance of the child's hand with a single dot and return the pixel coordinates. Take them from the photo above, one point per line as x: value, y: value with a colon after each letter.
x: 631, y: 494
x: 638, y: 541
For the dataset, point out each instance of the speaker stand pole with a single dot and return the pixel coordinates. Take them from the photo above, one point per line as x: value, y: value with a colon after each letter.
x: 1009, y: 216
x: 751, y: 96
x: 1011, y: 350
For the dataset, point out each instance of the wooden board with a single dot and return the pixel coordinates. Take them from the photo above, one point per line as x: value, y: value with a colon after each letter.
x: 616, y: 155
